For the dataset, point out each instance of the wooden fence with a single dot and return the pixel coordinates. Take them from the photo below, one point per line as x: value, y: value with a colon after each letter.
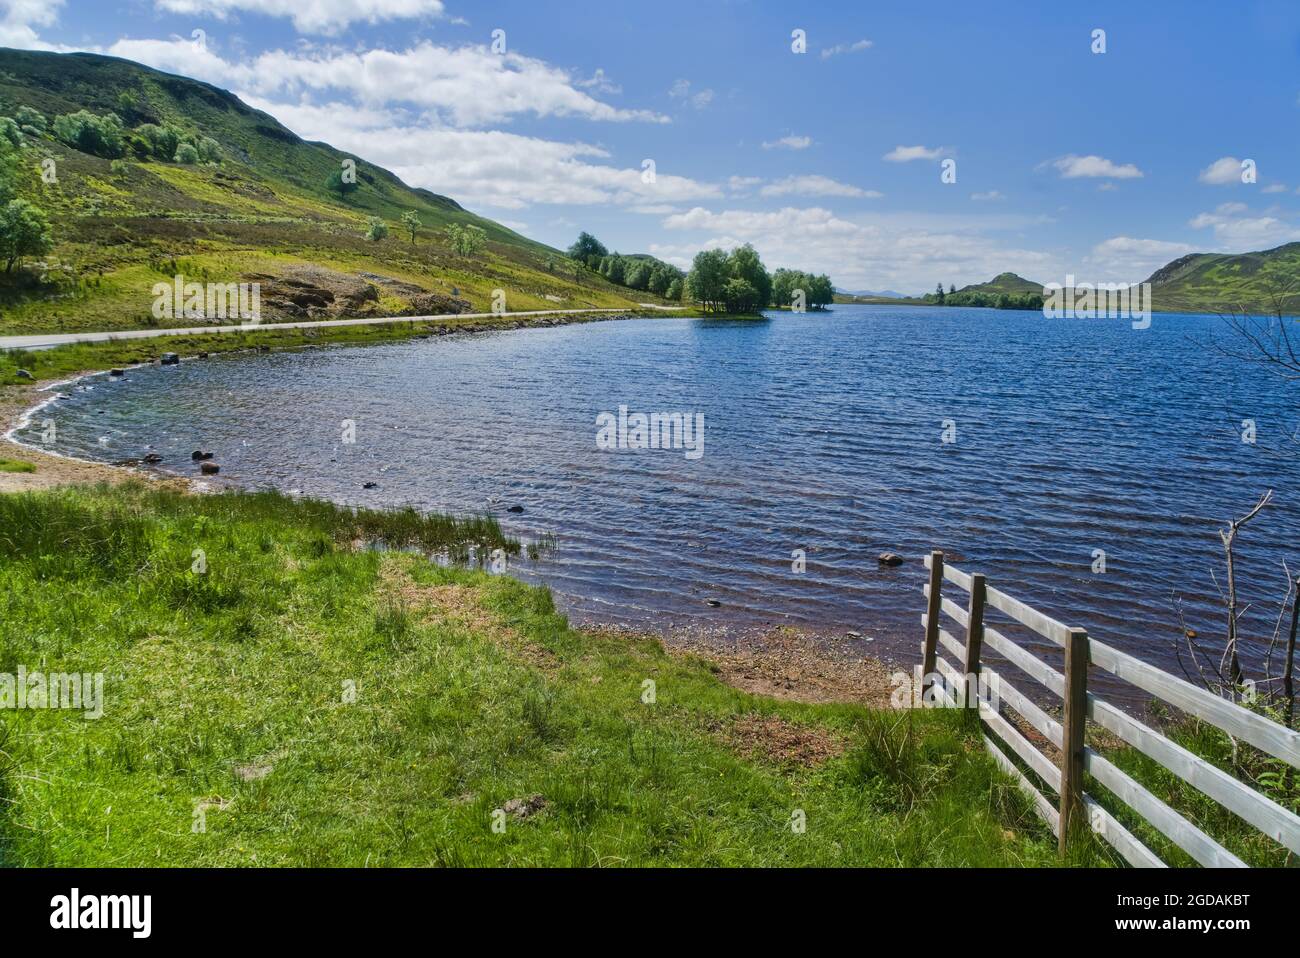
x: 1065, y: 776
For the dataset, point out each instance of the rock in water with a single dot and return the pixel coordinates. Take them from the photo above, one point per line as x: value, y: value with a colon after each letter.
x: 515, y: 509
x: 169, y: 359
x: 889, y: 558
x: 209, y: 468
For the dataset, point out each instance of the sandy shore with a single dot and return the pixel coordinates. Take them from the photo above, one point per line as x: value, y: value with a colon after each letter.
x: 51, y: 470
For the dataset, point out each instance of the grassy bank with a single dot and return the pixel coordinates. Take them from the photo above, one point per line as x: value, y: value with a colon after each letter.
x: 309, y: 702
x: 79, y: 357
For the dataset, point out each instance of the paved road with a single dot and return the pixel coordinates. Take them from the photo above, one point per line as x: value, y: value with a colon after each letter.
x: 48, y: 340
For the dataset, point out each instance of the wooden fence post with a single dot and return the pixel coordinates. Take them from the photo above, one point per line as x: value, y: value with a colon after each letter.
x: 1074, y: 719
x: 974, y: 639
x: 931, y: 643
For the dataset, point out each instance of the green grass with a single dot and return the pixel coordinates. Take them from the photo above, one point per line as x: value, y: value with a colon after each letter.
x: 15, y: 465
x: 228, y: 691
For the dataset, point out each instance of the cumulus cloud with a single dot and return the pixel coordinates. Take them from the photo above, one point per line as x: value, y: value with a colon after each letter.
x: 1237, y: 231
x: 311, y: 16
x: 1225, y: 171
x: 486, y: 167
x: 19, y: 18
x: 1074, y: 167
x: 815, y: 185
x: 906, y: 154
x: 874, y: 251
x: 1127, y: 259
x: 856, y: 47
x: 465, y: 86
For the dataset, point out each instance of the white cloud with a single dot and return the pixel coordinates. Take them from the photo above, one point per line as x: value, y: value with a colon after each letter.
x: 815, y: 185
x: 1275, y: 188
x: 1237, y: 233
x: 311, y: 16
x: 1073, y: 167
x: 1126, y: 259
x: 465, y: 86
x: 990, y: 195
x: 681, y: 90
x: 485, y: 167
x: 789, y: 143
x: 1225, y: 171
x: 19, y: 17
x: 856, y: 47
x: 906, y: 154
x: 872, y: 251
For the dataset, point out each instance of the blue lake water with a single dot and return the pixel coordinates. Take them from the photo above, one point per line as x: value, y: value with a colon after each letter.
x: 823, y: 433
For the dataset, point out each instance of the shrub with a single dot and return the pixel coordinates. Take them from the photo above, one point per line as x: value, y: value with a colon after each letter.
x: 96, y: 135
x: 378, y: 230
x: 187, y: 153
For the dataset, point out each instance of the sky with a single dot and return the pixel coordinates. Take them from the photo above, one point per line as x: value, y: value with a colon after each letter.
x: 672, y: 127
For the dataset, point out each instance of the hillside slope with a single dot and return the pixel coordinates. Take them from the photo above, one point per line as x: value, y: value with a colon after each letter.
x: 264, y: 211
x: 1219, y: 282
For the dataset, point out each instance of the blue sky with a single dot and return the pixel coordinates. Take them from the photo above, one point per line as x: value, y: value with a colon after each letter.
x: 1102, y: 165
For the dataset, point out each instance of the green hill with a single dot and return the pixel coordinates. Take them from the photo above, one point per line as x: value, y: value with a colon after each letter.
x: 1218, y: 282
x: 264, y: 210
x: 1008, y: 283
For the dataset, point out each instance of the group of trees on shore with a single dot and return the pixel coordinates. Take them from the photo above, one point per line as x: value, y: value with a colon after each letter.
x: 640, y: 272
x: 719, y: 281
x: 986, y: 299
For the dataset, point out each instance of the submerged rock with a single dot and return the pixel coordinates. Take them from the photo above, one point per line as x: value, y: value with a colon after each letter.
x: 889, y: 558
x: 198, y: 455
x: 209, y: 468
x: 153, y: 457
x: 169, y: 359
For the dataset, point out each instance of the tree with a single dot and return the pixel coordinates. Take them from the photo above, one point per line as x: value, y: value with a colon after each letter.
x: 411, y: 223
x: 659, y: 280
x: 585, y: 247
x: 617, y: 270
x: 96, y: 135
x: 11, y: 136
x: 638, y: 276
x: 337, y: 184
x: 740, y: 295
x: 32, y: 121
x: 784, y: 283
x: 707, y: 279
x: 378, y: 230
x: 821, y: 291
x: 952, y: 287
x: 675, y: 289
x: 465, y: 240
x: 187, y: 154
x: 938, y: 294
x: 24, y: 231
x: 744, y: 263
x: 209, y: 150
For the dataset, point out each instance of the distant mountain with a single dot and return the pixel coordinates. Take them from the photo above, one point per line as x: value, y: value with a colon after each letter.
x: 877, y: 294
x: 1218, y: 282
